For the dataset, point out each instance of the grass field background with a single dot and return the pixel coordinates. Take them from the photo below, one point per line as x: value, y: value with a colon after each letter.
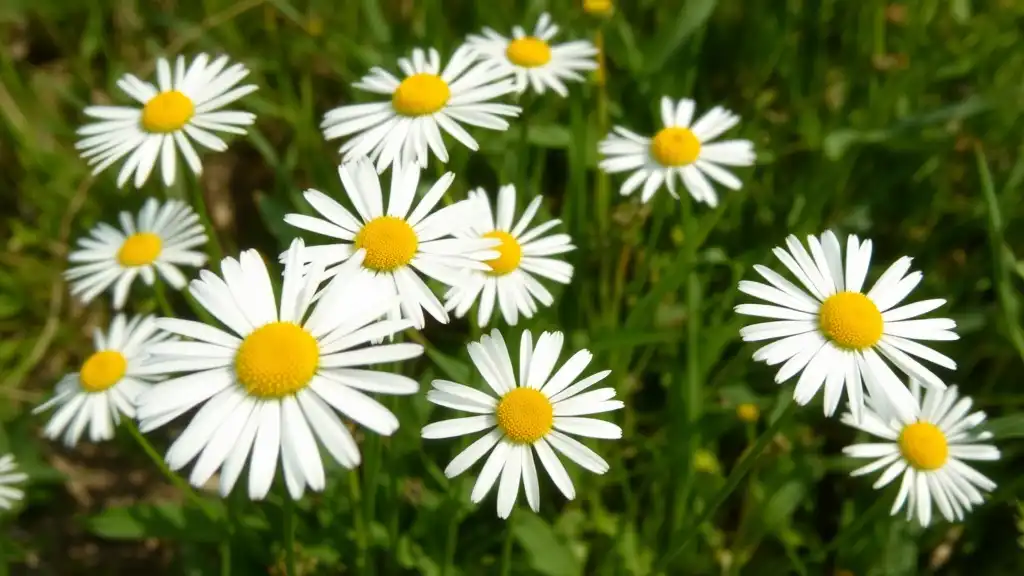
x: 895, y: 121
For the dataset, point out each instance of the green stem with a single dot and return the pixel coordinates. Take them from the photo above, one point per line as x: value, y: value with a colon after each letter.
x: 524, y: 146
x: 289, y: 535
x: 216, y: 251
x: 734, y: 479
x: 359, y: 521
x: 225, y: 558
x: 174, y: 479
x: 161, y: 299
x: 506, y: 550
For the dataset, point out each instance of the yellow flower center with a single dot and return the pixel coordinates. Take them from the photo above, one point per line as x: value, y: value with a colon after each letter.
x: 748, y: 412
x: 167, y: 112
x: 525, y: 415
x: 390, y: 243
x: 420, y: 94
x: 276, y: 360
x: 528, y: 52
x: 510, y: 253
x: 851, y: 320
x: 675, y: 147
x: 102, y: 370
x: 139, y: 249
x: 924, y: 446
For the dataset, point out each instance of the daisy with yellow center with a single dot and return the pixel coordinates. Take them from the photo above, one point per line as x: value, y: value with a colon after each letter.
x: 108, y: 383
x: 535, y: 414
x: 399, y: 245
x: 837, y: 335
x: 682, y: 149
x: 929, y: 447
x: 269, y: 386
x: 181, y: 107
x: 523, y: 254
x: 424, y: 102
x: 10, y: 480
x: 533, y: 60
x: 159, y: 240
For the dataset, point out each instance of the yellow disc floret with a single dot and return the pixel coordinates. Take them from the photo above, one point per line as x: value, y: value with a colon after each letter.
x: 851, y: 320
x: 390, y: 243
x: 420, y: 94
x: 276, y: 360
x: 528, y: 52
x: 102, y: 370
x: 525, y: 415
x: 924, y: 446
x: 167, y: 112
x: 139, y: 249
x: 510, y: 253
x: 675, y: 147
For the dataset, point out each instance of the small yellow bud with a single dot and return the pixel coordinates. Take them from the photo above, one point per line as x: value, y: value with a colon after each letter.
x: 598, y: 7
x: 705, y: 461
x: 748, y: 412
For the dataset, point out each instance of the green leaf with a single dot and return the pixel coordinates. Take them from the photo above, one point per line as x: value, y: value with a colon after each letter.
x: 140, y: 521
x: 549, y: 136
x: 670, y: 37
x: 781, y: 505
x: 272, y: 211
x: 453, y: 368
x: 548, y: 554
x: 1011, y: 426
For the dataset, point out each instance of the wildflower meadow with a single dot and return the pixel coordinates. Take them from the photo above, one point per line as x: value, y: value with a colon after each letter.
x: 557, y: 288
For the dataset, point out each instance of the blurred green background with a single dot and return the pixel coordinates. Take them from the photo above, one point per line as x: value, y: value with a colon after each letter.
x: 896, y: 121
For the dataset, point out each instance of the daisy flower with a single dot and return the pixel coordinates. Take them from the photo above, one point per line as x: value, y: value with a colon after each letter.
x: 928, y: 448
x: 680, y: 149
x: 399, y: 245
x: 837, y: 334
x: 160, y: 239
x: 9, y: 478
x: 534, y: 414
x: 108, y: 383
x: 182, y: 107
x: 522, y: 254
x: 426, y: 101
x: 270, y: 384
x: 533, y: 60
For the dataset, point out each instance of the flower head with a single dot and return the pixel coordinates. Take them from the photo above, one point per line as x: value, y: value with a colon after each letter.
x: 533, y: 60
x: 10, y: 480
x: 681, y: 149
x: 523, y: 254
x: 158, y: 240
x: 835, y: 333
x: 534, y: 414
x: 268, y: 386
x: 929, y: 448
x: 401, y: 244
x: 420, y: 105
x: 108, y: 383
x: 182, y: 107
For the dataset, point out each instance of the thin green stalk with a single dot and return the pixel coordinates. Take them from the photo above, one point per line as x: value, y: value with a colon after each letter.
x: 289, y: 535
x: 523, y: 165
x: 371, y: 467
x: 216, y: 250
x: 451, y: 539
x: 225, y: 557
x: 1003, y: 284
x: 693, y: 390
x: 506, y: 550
x: 174, y: 479
x: 735, y: 477
x: 360, y: 522
x: 161, y: 298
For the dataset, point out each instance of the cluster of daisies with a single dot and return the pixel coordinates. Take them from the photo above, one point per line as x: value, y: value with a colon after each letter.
x: 268, y: 375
